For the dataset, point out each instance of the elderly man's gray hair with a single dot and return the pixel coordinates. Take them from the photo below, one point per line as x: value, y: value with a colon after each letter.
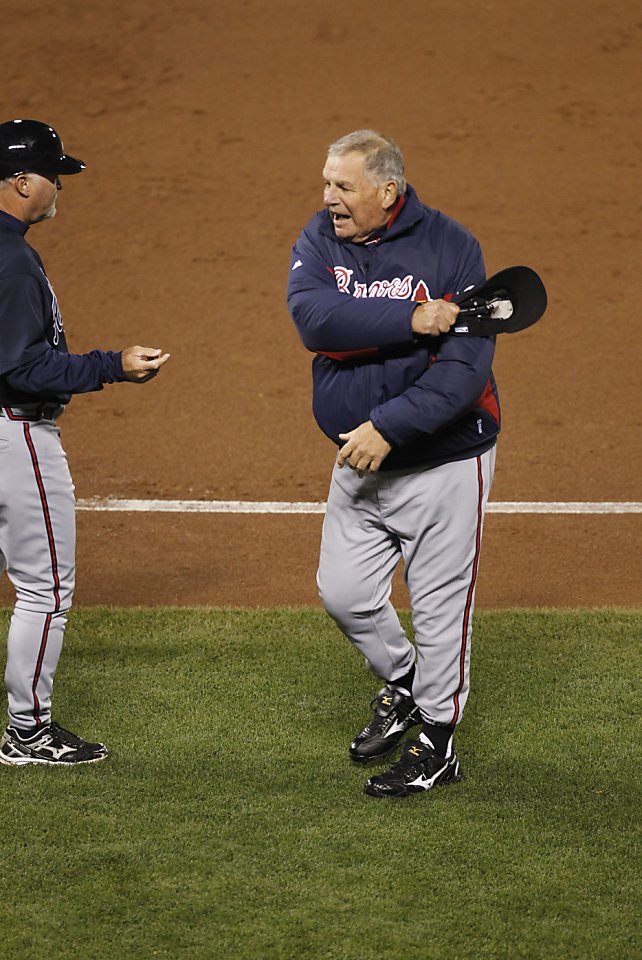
x: 384, y: 159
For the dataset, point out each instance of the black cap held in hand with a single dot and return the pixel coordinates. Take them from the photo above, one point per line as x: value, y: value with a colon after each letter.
x: 511, y: 300
x: 28, y: 146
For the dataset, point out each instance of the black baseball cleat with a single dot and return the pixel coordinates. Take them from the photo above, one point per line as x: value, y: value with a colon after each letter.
x: 51, y: 744
x: 419, y: 768
x: 394, y: 714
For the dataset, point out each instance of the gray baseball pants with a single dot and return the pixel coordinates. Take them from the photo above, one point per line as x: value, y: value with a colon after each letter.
x: 432, y: 519
x: 37, y: 548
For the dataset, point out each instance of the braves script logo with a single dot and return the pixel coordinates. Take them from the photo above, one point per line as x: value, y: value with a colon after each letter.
x: 399, y: 288
x: 55, y: 313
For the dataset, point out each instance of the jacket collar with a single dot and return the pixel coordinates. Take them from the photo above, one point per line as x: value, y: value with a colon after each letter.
x: 6, y: 220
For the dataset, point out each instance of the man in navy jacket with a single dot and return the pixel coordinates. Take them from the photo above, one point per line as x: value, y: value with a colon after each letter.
x: 37, y: 508
x: 415, y: 416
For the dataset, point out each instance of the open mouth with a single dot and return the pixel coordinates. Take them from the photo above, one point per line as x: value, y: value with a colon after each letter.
x: 336, y: 217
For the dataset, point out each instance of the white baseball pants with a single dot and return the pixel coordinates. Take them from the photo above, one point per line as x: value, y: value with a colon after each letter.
x: 37, y: 548
x: 433, y: 519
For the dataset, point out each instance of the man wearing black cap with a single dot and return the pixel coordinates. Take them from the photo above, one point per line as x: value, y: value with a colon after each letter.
x: 37, y: 507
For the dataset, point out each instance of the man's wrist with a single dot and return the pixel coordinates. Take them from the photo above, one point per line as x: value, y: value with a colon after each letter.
x: 376, y: 423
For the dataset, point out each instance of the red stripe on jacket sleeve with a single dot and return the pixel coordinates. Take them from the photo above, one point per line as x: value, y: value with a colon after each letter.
x: 488, y: 402
x: 349, y: 354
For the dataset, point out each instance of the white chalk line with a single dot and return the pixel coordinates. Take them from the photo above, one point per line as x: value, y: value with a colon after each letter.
x: 288, y: 507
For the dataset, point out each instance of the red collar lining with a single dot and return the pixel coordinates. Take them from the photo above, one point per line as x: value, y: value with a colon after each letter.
x: 395, y: 213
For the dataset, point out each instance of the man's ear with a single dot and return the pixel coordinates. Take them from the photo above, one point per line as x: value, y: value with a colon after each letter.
x: 22, y: 183
x: 389, y: 194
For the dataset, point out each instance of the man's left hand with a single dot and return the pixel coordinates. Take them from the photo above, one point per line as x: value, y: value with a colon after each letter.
x: 364, y: 450
x: 140, y: 364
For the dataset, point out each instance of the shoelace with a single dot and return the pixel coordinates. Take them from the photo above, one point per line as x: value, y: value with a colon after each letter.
x: 62, y: 737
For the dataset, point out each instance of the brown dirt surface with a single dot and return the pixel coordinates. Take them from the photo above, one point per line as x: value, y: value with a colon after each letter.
x: 204, y: 129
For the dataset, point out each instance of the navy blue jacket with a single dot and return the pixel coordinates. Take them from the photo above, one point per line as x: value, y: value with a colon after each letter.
x: 434, y: 399
x: 34, y: 363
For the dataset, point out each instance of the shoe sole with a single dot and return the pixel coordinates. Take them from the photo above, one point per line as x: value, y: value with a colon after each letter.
x: 30, y: 761
x: 413, y: 793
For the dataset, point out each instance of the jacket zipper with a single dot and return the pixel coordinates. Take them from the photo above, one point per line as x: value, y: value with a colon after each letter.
x: 366, y: 368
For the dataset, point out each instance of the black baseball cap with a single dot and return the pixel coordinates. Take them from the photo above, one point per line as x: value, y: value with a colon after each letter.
x: 29, y: 146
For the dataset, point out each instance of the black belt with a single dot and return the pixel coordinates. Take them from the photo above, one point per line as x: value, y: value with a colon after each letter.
x: 33, y: 412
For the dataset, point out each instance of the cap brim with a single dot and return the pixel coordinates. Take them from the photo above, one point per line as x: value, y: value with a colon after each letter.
x: 60, y: 166
x: 67, y: 165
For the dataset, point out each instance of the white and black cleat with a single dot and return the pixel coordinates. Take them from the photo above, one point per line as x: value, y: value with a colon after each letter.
x: 48, y: 745
x: 418, y: 769
x: 394, y: 714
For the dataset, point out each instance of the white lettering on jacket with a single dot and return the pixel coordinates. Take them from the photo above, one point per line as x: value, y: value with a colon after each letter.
x: 342, y: 276
x: 399, y: 288
x: 55, y: 313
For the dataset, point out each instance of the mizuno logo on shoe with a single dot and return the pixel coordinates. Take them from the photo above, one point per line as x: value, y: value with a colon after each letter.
x: 415, y: 751
x: 56, y: 752
x: 427, y: 782
x: 397, y: 726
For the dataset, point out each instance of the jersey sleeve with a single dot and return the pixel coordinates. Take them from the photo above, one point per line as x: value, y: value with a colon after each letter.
x: 450, y: 387
x: 53, y: 372
x: 469, y: 269
x: 29, y: 364
x: 330, y: 320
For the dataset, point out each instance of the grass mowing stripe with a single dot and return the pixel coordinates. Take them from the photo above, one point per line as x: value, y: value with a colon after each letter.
x: 229, y: 823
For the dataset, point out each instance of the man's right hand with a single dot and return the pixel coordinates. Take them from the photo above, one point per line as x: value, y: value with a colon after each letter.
x: 142, y: 363
x: 434, y: 317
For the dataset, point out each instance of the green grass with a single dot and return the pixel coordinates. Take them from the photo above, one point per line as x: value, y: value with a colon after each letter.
x: 229, y: 824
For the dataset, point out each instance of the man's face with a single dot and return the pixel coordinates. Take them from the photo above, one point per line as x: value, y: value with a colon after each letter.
x: 43, y: 194
x: 356, y: 205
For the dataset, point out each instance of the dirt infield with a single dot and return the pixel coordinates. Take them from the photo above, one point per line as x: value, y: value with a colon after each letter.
x: 204, y: 128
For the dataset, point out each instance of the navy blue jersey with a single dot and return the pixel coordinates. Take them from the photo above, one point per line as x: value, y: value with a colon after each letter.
x: 433, y: 398
x: 34, y: 362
